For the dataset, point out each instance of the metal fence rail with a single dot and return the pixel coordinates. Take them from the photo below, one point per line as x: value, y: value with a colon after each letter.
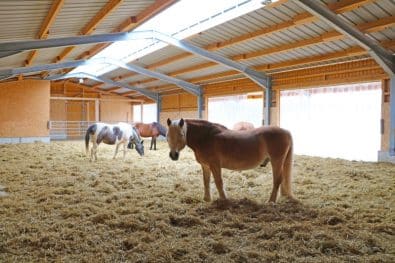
x: 69, y: 130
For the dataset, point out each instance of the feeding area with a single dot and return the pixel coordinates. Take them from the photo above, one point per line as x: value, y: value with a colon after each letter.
x: 59, y: 206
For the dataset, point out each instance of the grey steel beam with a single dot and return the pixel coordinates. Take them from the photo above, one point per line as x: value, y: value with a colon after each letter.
x: 149, y: 94
x: 4, y: 54
x: 158, y: 108
x: 22, y: 70
x: 72, y: 41
x: 383, y: 57
x: 258, y: 77
x: 4, y: 77
x: 268, y: 101
x: 189, y: 87
x: 200, y: 104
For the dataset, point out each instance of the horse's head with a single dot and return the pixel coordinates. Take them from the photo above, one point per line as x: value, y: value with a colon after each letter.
x: 176, y: 137
x: 140, y: 147
x: 137, y: 141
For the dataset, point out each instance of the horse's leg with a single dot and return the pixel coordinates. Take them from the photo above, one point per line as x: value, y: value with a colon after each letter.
x: 152, y: 142
x: 265, y: 162
x: 206, y: 181
x: 116, y: 150
x: 124, y: 150
x: 216, y: 170
x: 277, y: 170
x: 91, y: 157
x: 286, y: 189
x: 94, y: 151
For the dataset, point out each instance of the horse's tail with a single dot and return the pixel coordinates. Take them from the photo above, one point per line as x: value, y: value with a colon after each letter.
x: 286, y: 189
x: 90, y: 131
x: 161, y: 128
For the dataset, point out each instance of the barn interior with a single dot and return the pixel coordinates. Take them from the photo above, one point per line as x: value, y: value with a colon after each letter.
x: 323, y: 69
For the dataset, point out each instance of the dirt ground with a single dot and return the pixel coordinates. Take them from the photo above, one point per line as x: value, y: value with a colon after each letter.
x: 55, y: 205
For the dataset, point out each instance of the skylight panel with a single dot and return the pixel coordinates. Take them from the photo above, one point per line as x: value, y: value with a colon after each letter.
x: 181, y: 20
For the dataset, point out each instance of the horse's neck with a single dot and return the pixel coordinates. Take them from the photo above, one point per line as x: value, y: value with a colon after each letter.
x: 198, y: 132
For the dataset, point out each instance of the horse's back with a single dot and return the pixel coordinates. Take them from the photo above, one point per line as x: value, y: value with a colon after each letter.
x: 147, y: 129
x: 246, y: 149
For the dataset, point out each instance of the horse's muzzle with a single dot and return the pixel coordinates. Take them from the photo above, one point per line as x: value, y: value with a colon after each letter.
x: 174, y: 155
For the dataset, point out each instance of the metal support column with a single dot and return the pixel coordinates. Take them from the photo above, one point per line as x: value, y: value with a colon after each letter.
x: 392, y: 118
x: 268, y: 101
x: 200, y: 104
x: 158, y: 108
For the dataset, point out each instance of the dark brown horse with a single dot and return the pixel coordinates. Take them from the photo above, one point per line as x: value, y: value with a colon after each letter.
x: 152, y: 130
x: 216, y: 147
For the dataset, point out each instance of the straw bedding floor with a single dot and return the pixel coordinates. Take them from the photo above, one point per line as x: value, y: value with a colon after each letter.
x: 55, y: 205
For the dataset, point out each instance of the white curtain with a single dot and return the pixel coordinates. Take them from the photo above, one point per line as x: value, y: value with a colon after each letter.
x: 232, y: 109
x: 339, y: 122
x: 149, y: 113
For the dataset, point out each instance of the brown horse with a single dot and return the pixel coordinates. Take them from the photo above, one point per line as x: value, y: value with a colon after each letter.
x: 152, y: 130
x: 216, y: 147
x: 243, y: 126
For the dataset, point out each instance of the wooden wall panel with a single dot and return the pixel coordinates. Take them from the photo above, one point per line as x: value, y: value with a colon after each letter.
x: 58, y: 110
x: 114, y: 111
x: 179, y: 102
x: 24, y: 108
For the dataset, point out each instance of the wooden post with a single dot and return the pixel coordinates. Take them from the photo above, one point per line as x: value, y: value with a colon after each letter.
x: 87, y: 110
x: 97, y: 105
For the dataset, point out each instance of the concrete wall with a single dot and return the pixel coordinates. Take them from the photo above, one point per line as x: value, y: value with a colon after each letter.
x: 24, y: 111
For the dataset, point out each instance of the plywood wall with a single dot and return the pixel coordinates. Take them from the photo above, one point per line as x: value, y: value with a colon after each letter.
x: 115, y: 110
x: 24, y: 108
x: 179, y: 102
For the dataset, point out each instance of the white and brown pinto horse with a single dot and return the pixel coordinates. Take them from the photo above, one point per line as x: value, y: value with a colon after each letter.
x: 217, y: 147
x: 120, y: 133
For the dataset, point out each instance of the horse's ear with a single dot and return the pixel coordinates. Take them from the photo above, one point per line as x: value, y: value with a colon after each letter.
x: 181, y: 123
x: 168, y: 122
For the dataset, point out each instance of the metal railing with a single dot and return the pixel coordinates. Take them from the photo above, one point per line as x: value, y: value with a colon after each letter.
x: 69, y: 130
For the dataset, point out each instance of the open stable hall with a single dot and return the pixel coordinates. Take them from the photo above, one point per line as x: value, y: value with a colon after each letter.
x: 197, y: 131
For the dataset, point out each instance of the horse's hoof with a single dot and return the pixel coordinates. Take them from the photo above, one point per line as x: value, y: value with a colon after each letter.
x: 207, y: 199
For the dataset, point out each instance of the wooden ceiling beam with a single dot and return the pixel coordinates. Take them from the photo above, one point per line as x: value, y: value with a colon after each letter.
x: 306, y: 62
x: 91, y: 25
x: 303, y: 18
x: 368, y: 27
x: 44, y: 30
x: 130, y: 23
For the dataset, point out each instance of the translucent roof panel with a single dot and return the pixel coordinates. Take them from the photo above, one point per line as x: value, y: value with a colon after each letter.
x: 181, y: 20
